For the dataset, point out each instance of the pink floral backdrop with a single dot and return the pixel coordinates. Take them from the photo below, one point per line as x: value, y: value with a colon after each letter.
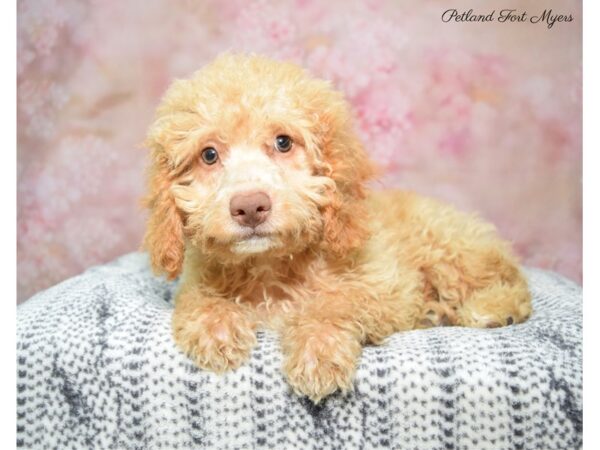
x: 484, y: 115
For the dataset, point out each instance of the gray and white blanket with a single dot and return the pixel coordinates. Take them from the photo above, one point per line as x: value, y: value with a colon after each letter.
x: 97, y: 369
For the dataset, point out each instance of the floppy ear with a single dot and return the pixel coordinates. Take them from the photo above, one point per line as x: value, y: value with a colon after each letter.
x: 346, y: 217
x: 164, y: 237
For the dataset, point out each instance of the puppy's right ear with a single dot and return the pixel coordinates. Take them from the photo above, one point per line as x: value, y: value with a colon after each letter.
x: 164, y: 237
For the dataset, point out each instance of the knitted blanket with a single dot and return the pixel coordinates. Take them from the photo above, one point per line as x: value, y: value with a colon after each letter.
x: 97, y: 368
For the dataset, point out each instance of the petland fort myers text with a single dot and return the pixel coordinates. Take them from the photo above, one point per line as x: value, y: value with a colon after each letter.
x: 547, y: 17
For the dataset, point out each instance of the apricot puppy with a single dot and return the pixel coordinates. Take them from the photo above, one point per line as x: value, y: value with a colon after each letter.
x: 257, y: 198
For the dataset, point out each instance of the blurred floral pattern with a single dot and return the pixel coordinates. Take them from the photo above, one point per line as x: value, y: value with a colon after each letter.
x: 484, y: 115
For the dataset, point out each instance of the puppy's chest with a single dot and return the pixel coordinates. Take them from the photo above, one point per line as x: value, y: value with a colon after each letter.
x: 271, y: 296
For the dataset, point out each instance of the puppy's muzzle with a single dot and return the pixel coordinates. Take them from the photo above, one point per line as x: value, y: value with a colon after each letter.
x: 250, y: 209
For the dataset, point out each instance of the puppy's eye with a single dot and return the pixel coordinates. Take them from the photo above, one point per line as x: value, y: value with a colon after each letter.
x: 283, y: 143
x: 209, y: 155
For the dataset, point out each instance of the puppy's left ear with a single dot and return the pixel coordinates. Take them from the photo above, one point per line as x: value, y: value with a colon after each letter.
x: 164, y: 237
x: 346, y: 217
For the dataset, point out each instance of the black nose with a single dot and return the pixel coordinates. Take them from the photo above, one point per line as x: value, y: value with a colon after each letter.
x: 250, y: 208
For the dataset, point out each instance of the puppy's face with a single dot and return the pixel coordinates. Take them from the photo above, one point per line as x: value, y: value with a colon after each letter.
x: 251, y: 156
x: 249, y: 179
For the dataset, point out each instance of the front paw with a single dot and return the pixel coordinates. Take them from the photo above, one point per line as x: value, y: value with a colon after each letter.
x: 320, y: 360
x: 217, y: 339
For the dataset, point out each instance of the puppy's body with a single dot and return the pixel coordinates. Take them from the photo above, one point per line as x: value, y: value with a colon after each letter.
x: 319, y: 260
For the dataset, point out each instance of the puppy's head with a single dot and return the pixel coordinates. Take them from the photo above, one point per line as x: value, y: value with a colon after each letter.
x: 252, y: 156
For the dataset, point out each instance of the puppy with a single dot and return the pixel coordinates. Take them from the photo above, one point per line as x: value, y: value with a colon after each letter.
x: 258, y: 198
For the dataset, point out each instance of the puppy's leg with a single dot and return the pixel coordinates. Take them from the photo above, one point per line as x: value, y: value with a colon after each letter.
x: 481, y: 286
x: 473, y: 272
x: 323, y: 341
x: 216, y: 333
x: 320, y: 356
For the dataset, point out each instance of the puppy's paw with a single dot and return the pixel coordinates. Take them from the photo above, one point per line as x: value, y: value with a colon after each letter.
x: 217, y: 339
x: 496, y: 306
x: 320, y: 360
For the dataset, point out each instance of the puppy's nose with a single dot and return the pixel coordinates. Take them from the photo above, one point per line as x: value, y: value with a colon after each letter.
x: 250, y: 208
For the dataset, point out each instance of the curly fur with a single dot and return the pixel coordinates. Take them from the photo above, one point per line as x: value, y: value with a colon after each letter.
x: 335, y: 267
